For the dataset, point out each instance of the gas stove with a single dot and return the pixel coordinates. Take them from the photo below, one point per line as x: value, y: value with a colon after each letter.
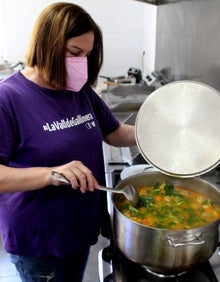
x: 115, y: 267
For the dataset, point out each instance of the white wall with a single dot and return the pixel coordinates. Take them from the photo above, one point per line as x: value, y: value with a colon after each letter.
x: 149, y: 38
x: 122, y: 23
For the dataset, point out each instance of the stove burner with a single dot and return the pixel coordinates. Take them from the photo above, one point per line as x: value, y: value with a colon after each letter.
x: 121, y: 269
x: 160, y: 275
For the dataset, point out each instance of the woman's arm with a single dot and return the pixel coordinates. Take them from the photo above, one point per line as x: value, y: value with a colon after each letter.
x: 27, y: 179
x: 123, y: 136
x: 23, y: 179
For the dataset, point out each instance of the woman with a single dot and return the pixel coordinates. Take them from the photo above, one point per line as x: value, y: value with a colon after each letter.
x: 52, y: 120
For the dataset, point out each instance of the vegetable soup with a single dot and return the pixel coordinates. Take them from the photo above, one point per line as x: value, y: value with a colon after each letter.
x: 169, y: 207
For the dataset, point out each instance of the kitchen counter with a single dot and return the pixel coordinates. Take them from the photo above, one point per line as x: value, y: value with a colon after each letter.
x: 126, y: 98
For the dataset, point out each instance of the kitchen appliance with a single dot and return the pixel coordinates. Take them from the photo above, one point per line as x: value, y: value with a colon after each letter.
x: 133, y: 72
x: 115, y: 267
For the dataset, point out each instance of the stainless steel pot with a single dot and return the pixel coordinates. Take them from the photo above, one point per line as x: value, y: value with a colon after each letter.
x: 161, y: 250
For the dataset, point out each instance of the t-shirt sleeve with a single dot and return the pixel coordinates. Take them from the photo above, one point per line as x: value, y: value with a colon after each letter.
x: 8, y: 135
x: 107, y: 121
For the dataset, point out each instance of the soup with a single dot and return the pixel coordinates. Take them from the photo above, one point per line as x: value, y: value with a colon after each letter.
x: 169, y: 207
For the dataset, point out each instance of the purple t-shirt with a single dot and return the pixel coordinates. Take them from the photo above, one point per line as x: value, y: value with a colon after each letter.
x: 42, y: 127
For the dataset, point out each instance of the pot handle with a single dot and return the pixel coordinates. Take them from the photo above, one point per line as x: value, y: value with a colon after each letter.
x: 178, y: 242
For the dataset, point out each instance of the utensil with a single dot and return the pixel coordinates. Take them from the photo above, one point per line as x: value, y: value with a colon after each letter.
x: 178, y: 128
x: 129, y: 191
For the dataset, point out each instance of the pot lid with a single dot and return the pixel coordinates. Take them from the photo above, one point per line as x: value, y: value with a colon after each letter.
x: 178, y: 128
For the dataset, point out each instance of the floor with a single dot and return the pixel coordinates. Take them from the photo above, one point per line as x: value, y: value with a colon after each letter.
x: 8, y: 272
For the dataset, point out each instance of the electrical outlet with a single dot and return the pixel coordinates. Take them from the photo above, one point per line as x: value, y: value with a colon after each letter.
x: 151, y: 78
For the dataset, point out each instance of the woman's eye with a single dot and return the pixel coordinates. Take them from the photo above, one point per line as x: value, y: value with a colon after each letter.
x: 78, y: 53
x: 75, y: 54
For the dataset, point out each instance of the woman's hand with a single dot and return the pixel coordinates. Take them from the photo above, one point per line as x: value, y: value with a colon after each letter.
x: 78, y: 175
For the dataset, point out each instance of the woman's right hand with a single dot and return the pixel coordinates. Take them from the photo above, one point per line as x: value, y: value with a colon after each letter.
x: 78, y: 175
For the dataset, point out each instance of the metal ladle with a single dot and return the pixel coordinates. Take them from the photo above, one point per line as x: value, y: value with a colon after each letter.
x: 129, y: 191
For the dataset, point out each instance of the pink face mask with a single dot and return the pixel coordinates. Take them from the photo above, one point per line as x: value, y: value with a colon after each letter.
x: 76, y: 73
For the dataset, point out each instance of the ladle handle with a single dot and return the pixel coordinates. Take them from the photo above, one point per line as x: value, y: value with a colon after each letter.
x: 60, y: 177
x: 108, y: 189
